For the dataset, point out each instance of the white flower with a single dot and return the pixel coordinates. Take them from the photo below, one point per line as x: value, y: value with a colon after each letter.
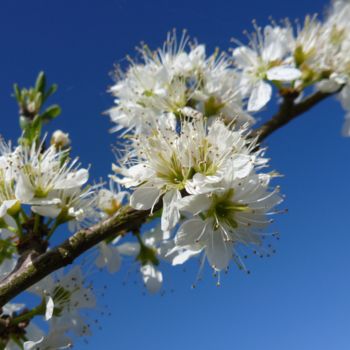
x: 56, y: 339
x: 65, y: 296
x: 9, y: 204
x: 149, y: 249
x: 42, y: 173
x: 11, y: 308
x: 77, y: 206
x: 168, y: 162
x: 31, y: 332
x: 9, y: 161
x: 108, y: 256
x: 265, y: 59
x: 152, y: 278
x: 177, y: 76
x: 109, y: 201
x: 232, y: 214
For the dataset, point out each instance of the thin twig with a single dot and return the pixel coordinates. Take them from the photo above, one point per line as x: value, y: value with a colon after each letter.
x: 288, y: 111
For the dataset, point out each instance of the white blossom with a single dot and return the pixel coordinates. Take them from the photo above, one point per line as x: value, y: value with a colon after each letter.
x: 109, y: 201
x: 42, y: 173
x: 234, y: 213
x: 56, y: 339
x: 265, y: 59
x: 172, y: 78
x: 65, y: 296
x: 168, y: 162
x: 147, y: 251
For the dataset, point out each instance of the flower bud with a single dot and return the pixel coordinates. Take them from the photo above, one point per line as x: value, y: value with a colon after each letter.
x: 60, y: 139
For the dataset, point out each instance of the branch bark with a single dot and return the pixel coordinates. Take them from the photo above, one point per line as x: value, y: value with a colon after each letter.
x: 288, y: 111
x: 37, y: 266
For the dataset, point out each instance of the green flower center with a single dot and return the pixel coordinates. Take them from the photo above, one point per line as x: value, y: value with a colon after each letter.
x: 224, y: 210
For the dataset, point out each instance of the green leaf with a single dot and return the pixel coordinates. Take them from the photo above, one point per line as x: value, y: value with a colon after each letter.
x: 52, y: 89
x: 17, y: 93
x: 40, y: 83
x: 51, y: 113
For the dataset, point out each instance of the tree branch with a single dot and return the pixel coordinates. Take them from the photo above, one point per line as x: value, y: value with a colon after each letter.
x: 35, y: 267
x: 288, y: 111
x: 32, y: 268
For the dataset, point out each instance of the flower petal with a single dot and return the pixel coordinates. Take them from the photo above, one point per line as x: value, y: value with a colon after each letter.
x: 195, y: 204
x: 219, y: 252
x: 189, y: 232
x: 49, y: 309
x: 260, y: 95
x: 283, y: 73
x: 152, y: 278
x: 170, y: 214
x: 144, y: 198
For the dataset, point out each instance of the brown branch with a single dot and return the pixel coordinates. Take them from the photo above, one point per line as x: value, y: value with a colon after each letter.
x: 288, y: 111
x: 34, y: 266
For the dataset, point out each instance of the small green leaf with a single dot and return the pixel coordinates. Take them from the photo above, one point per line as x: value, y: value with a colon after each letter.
x: 17, y: 93
x: 51, y: 113
x: 52, y: 89
x: 40, y: 83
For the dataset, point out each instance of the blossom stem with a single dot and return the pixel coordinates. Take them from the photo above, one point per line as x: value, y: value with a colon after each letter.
x: 36, y: 223
x: 19, y: 230
x: 53, y: 229
x: 25, y: 216
x: 38, y: 310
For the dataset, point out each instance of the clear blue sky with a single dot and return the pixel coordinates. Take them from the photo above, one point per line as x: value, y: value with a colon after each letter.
x: 297, y: 300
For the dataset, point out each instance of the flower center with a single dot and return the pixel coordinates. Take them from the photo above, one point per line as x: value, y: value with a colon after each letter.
x: 223, y: 209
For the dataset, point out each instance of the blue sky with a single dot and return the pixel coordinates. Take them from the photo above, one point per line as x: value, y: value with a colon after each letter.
x: 298, y: 299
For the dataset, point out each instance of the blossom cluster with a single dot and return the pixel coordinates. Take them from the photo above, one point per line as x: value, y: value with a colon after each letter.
x: 188, y: 158
x: 312, y: 53
x: 46, y: 181
x: 281, y: 56
x: 41, y: 188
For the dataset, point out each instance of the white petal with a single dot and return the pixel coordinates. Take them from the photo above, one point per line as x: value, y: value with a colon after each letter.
x: 73, y: 180
x: 240, y: 166
x: 244, y: 57
x: 29, y: 345
x: 260, y: 95
x: 183, y: 256
x: 170, y: 214
x: 5, y: 206
x: 152, y: 278
x: 48, y: 211
x: 283, y: 73
x: 24, y: 191
x: 200, y: 183
x: 195, y: 204
x: 218, y: 251
x: 189, y: 232
x: 129, y: 249
x: 154, y: 236
x: 144, y: 198
x: 109, y: 256
x: 49, y: 309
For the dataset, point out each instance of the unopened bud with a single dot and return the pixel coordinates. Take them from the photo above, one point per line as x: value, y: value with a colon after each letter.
x: 60, y: 139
